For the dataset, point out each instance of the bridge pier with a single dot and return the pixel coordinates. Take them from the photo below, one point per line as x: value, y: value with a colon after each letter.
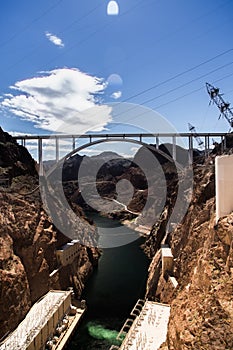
x: 223, y: 144
x: 157, y: 142
x: 174, y: 147
x: 190, y: 149
x: 40, y: 150
x: 40, y: 156
x: 207, y: 145
x: 73, y: 143
x: 57, y: 149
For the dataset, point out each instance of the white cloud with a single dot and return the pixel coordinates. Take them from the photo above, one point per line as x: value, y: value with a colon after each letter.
x: 62, y: 100
x: 90, y: 152
x: 18, y: 133
x: 116, y: 95
x: 54, y: 39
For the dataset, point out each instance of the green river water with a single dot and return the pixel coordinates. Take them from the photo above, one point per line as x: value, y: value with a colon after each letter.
x: 111, y: 292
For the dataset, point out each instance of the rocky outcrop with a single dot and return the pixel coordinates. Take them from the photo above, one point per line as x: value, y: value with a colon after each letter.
x: 14, y: 158
x: 28, y: 245
x: 201, y: 304
x: 15, y: 298
x: 29, y: 240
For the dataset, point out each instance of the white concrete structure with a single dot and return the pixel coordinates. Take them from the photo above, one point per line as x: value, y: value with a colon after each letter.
x: 167, y: 259
x: 173, y: 281
x: 40, y: 322
x: 67, y: 253
x: 148, y: 330
x: 224, y: 185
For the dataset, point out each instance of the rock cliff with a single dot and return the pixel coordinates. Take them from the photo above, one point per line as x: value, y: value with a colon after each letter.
x: 29, y: 240
x: 201, y: 303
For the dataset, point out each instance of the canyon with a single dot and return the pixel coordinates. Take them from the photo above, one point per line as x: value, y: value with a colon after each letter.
x: 201, y: 299
x: 29, y: 240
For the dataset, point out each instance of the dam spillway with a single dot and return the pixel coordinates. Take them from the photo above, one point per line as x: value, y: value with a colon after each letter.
x: 146, y: 329
x: 47, y: 325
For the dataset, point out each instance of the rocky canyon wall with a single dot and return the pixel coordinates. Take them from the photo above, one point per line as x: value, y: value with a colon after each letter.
x: 201, y: 303
x: 29, y: 240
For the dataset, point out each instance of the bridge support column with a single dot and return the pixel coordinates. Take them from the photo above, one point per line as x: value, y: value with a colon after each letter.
x: 174, y: 147
x: 207, y: 145
x: 223, y: 143
x: 190, y: 149
x: 73, y: 143
x: 40, y: 156
x: 157, y: 142
x: 57, y: 149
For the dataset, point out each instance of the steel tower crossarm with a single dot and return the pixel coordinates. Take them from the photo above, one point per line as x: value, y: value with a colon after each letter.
x: 223, y: 106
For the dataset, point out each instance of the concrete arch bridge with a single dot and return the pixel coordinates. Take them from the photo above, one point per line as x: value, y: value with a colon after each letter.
x: 143, y: 139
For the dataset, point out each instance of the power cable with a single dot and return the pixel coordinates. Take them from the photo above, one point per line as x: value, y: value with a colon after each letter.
x: 26, y: 56
x: 80, y: 19
x: 15, y: 35
x: 81, y: 41
x: 187, y: 83
x: 178, y: 98
x: 192, y: 92
x: 176, y: 88
x: 181, y: 28
x: 166, y: 81
x: 177, y: 75
x: 95, y: 32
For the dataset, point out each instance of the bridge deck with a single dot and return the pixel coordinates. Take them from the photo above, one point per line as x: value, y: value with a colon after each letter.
x: 127, y: 137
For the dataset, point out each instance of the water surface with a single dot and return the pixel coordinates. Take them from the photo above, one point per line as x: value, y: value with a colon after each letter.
x: 111, y: 292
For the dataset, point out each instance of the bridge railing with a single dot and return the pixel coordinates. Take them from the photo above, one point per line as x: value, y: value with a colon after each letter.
x: 158, y: 138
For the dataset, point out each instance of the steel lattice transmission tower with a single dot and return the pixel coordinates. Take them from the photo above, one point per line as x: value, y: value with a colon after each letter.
x: 223, y: 106
x: 192, y: 129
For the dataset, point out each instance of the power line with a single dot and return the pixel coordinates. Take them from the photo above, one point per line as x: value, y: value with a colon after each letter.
x: 81, y: 41
x: 188, y: 83
x: 165, y: 81
x: 177, y: 75
x: 80, y: 19
x: 16, y: 34
x: 95, y: 32
x: 26, y: 56
x: 190, y: 93
x: 181, y: 28
x: 176, y: 88
x: 178, y: 98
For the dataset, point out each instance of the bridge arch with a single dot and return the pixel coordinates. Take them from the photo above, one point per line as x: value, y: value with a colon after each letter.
x: 52, y: 189
x: 96, y: 142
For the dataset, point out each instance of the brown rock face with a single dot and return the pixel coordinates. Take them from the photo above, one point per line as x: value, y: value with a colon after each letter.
x: 201, y: 305
x: 29, y: 240
x: 14, y: 288
x: 28, y: 244
x: 15, y: 160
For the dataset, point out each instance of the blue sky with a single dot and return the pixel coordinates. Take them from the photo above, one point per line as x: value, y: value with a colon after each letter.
x: 62, y: 58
